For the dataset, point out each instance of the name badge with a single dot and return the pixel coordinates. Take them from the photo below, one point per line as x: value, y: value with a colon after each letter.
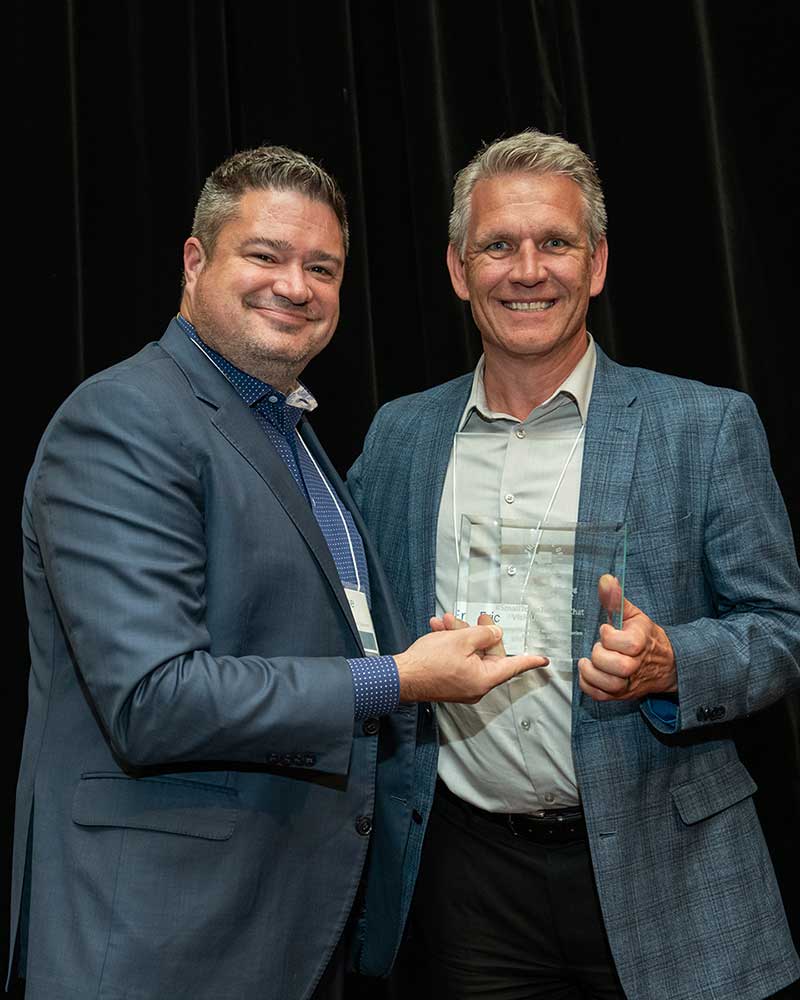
x: 366, y: 630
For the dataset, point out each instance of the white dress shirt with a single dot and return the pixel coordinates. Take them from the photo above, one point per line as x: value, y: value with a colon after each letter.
x: 512, y: 751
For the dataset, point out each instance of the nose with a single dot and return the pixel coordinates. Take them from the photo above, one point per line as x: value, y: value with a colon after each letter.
x: 529, y: 265
x: 291, y: 283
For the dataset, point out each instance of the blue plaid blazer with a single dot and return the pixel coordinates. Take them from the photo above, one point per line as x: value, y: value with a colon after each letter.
x: 688, y: 893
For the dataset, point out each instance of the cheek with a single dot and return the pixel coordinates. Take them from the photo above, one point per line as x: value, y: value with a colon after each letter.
x: 481, y: 284
x: 331, y: 305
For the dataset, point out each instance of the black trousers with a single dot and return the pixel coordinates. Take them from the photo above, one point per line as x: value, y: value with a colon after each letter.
x: 496, y: 916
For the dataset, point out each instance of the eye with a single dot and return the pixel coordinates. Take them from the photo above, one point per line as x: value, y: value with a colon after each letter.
x: 320, y: 269
x: 498, y: 246
x: 556, y: 243
x: 263, y: 258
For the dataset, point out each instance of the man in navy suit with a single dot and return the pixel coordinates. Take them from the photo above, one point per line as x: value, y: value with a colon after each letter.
x: 593, y: 832
x: 225, y: 777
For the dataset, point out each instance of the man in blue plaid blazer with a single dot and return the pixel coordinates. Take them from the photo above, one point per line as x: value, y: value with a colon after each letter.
x: 593, y: 832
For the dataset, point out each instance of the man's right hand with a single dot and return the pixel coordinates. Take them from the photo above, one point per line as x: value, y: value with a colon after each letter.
x: 454, y: 665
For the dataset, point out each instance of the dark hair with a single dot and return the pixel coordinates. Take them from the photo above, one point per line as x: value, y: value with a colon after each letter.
x: 264, y: 168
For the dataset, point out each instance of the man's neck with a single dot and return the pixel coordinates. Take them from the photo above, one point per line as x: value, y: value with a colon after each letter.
x: 282, y: 377
x: 517, y: 385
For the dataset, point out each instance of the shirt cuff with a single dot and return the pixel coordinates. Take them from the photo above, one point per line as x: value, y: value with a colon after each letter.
x: 663, y: 713
x: 376, y: 686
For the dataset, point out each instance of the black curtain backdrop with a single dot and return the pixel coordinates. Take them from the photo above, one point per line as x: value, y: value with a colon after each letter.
x: 120, y: 109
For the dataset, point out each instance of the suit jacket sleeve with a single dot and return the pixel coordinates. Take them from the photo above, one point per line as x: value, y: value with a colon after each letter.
x: 748, y: 654
x: 117, y: 506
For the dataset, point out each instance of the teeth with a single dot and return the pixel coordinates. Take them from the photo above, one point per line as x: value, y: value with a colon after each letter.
x: 529, y: 306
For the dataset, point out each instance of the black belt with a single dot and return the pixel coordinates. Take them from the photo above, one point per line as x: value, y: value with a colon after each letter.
x: 550, y: 826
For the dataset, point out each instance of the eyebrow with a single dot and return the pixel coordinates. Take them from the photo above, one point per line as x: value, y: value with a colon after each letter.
x: 493, y: 235
x: 286, y: 246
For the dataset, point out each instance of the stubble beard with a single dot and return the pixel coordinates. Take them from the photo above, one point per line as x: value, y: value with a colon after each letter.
x: 238, y: 345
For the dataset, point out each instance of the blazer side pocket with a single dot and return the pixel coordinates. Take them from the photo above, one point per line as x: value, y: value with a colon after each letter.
x: 711, y: 793
x: 166, y: 805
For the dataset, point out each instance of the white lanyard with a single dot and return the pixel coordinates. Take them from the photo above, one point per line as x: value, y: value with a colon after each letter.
x: 324, y: 480
x: 338, y: 510
x: 540, y: 526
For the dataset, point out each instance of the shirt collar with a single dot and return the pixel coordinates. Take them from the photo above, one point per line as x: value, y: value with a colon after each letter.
x: 253, y: 391
x: 577, y: 386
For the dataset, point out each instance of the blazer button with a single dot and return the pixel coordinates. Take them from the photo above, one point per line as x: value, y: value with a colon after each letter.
x: 370, y: 726
x: 703, y: 713
x: 363, y: 825
x: 718, y: 712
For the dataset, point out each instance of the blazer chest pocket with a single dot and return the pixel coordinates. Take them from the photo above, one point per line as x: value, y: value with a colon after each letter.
x: 163, y: 804
x: 711, y: 793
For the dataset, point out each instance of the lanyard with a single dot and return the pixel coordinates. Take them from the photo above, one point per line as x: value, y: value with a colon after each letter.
x: 540, y: 526
x: 339, y: 510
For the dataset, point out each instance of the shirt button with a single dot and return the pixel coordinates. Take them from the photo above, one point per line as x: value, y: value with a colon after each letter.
x: 273, y: 399
x: 526, y: 724
x: 509, y: 498
x: 520, y: 432
x: 512, y: 570
x: 363, y: 825
x: 549, y: 797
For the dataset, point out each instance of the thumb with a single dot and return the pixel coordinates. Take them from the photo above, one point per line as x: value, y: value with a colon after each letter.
x: 482, y: 636
x: 609, y: 593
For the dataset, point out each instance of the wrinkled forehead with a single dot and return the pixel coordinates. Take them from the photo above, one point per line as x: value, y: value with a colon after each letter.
x: 525, y: 199
x: 269, y: 211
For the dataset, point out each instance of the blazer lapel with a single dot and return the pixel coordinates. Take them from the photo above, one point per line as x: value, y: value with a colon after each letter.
x: 239, y: 428
x: 429, y: 459
x: 609, y: 456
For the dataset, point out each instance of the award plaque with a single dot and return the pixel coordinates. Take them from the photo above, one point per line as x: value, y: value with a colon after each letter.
x: 522, y: 576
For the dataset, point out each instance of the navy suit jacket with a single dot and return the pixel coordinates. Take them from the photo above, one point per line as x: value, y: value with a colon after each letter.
x: 194, y: 799
x: 687, y: 890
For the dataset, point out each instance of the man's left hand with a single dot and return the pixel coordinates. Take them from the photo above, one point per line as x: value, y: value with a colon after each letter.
x: 631, y: 662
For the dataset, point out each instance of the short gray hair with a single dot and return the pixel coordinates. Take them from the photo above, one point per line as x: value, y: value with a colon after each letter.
x: 530, y: 152
x: 265, y: 168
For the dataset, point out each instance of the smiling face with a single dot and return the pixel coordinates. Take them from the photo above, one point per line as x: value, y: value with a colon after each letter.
x: 528, y: 271
x: 267, y: 298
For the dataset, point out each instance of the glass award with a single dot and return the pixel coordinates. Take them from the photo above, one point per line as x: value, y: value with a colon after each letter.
x: 522, y: 576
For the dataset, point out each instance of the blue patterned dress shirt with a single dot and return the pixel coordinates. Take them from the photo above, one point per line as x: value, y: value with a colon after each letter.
x: 376, y: 685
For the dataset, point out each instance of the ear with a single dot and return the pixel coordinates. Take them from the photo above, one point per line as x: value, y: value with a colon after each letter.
x: 194, y: 260
x: 599, y: 264
x: 455, y: 265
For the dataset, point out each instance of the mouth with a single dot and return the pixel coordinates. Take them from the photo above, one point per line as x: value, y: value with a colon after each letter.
x: 541, y: 305
x: 282, y: 312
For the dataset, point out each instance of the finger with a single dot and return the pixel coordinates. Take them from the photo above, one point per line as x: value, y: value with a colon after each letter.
x: 611, y: 685
x: 512, y: 666
x: 437, y: 625
x: 595, y: 693
x: 630, y: 640
x: 481, y: 637
x: 609, y: 593
x: 611, y: 661
x: 498, y: 649
x: 451, y: 622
